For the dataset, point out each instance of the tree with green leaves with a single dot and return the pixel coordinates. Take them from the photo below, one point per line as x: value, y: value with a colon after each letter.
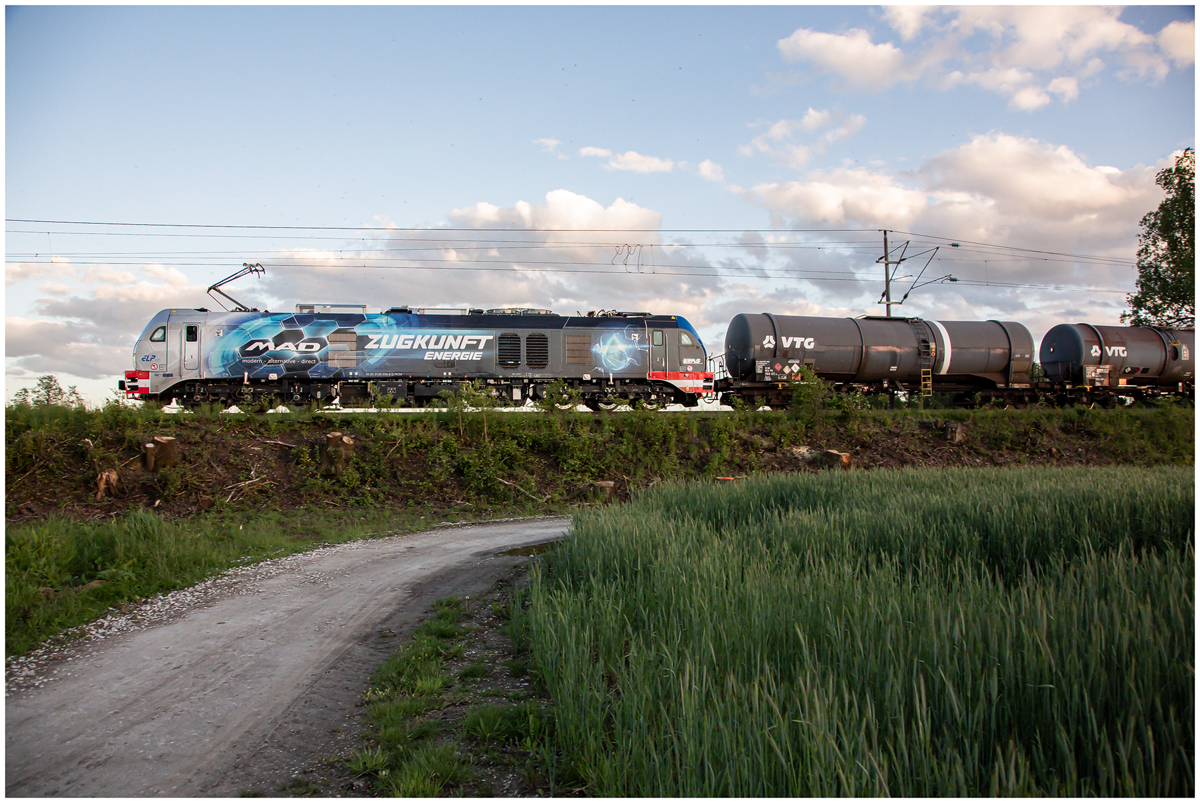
x: 1166, y: 260
x: 48, y: 393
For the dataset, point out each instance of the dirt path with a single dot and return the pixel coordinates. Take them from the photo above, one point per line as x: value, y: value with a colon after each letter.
x: 252, y: 683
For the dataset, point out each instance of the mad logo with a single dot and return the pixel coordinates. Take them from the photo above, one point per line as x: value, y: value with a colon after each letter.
x: 291, y: 342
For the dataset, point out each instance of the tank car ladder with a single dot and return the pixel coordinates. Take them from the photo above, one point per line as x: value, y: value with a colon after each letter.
x: 925, y: 352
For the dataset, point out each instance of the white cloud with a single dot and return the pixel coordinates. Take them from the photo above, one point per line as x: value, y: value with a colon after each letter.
x: 20, y: 271
x: 711, y: 171
x: 1045, y: 37
x: 636, y: 162
x: 1028, y: 98
x: 906, y: 20
x: 1031, y: 181
x: 1025, y: 53
x: 847, y: 196
x: 631, y: 161
x: 815, y: 120
x: 779, y: 140
x: 849, y: 128
x: 852, y: 56
x: 549, y: 145
x: 563, y: 211
x: 1003, y: 80
x: 1066, y: 88
x: 1178, y: 42
x: 171, y: 276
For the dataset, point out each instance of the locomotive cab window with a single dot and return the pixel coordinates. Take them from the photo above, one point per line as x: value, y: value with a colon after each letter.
x: 657, y: 338
x: 684, y: 340
x: 193, y: 333
x: 158, y: 335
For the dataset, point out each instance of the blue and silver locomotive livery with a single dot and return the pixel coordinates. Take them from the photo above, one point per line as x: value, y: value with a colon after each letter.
x: 326, y: 351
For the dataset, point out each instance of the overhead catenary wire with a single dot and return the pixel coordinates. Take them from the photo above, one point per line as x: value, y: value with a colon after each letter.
x: 581, y: 268
x: 406, y: 240
x: 540, y: 231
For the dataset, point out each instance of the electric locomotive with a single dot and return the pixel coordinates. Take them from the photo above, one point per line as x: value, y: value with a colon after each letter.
x: 354, y: 354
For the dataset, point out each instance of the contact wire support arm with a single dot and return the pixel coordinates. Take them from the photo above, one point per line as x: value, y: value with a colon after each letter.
x: 246, y: 270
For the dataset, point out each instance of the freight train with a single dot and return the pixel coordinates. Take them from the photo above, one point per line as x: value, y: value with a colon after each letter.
x: 323, y: 352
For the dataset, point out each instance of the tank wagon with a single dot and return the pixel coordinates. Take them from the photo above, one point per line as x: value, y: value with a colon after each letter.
x: 763, y: 352
x: 1085, y: 362
x: 326, y: 351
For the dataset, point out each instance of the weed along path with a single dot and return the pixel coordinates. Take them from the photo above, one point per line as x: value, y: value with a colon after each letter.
x: 251, y: 677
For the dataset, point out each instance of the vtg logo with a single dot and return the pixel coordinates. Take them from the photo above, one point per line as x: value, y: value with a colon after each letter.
x: 790, y: 342
x: 1111, y: 351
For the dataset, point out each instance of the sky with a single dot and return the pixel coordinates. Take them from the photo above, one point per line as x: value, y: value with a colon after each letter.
x: 691, y: 160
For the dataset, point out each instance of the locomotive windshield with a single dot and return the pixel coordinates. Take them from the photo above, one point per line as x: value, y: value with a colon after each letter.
x: 156, y: 330
x: 684, y: 326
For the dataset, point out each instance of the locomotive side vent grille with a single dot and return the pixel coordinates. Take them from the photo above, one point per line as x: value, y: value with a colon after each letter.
x: 509, y: 350
x: 579, y: 349
x: 537, y: 351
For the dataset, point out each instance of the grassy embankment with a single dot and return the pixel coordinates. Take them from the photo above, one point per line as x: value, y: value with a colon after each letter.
x: 488, y: 460
x: 917, y: 633
x: 250, y: 487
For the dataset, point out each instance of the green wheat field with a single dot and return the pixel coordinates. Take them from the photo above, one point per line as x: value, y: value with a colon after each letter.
x: 915, y: 633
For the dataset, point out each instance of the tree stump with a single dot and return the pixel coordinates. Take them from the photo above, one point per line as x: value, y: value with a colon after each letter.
x: 106, y: 483
x: 336, y: 452
x: 830, y: 459
x: 956, y: 432
x: 605, y: 489
x: 162, y: 451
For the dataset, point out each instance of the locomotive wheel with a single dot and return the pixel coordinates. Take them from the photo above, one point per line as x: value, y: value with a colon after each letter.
x: 562, y: 401
x: 607, y: 403
x: 649, y: 404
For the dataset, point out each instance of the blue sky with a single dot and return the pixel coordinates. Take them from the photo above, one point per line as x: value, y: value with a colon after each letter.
x: 748, y: 157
